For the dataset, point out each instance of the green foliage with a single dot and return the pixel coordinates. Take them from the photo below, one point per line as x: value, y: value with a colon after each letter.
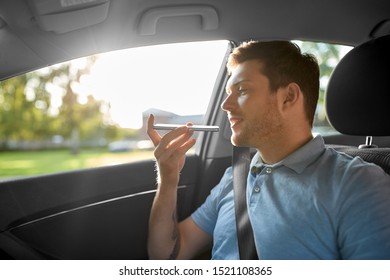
x: 21, y: 117
x: 27, y: 112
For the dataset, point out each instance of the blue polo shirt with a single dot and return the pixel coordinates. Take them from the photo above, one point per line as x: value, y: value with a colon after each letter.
x: 315, y: 204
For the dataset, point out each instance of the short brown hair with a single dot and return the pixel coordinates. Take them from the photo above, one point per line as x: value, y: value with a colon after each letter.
x: 283, y: 63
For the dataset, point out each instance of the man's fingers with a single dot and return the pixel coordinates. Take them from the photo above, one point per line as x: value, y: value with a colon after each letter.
x: 175, y: 143
x: 173, y: 140
x: 175, y: 135
x: 153, y: 134
x: 186, y: 146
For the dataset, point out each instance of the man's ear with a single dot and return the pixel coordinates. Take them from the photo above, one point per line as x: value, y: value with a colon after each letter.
x: 291, y: 95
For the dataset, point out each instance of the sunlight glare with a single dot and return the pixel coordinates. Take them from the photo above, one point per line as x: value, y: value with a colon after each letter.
x: 178, y: 78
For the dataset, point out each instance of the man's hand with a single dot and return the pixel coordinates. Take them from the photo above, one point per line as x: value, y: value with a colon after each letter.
x: 170, y: 151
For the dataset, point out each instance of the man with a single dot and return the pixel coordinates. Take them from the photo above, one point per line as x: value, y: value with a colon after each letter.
x: 305, y: 201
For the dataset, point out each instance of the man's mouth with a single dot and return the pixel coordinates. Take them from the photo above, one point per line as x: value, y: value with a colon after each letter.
x: 234, y: 121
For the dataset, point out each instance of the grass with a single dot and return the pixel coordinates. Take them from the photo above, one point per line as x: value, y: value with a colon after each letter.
x: 20, y: 164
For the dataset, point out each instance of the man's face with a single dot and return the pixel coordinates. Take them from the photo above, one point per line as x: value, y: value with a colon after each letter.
x: 251, y: 106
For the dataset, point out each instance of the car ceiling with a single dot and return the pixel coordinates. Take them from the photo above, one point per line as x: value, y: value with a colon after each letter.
x: 37, y: 33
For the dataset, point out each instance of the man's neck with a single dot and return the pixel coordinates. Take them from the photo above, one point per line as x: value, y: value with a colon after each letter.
x: 281, y: 147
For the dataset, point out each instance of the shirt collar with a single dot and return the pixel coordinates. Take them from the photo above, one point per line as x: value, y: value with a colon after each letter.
x: 299, y: 159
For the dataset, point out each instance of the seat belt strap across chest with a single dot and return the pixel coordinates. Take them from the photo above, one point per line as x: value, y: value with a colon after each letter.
x: 246, y: 243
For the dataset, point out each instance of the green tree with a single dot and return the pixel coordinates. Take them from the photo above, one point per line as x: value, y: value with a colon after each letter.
x: 74, y: 120
x: 27, y: 111
x: 22, y: 117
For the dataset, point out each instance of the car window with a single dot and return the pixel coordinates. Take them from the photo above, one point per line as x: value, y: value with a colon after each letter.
x: 328, y: 56
x: 92, y: 111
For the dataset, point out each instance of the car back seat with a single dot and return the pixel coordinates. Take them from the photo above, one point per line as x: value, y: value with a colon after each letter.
x: 357, y: 99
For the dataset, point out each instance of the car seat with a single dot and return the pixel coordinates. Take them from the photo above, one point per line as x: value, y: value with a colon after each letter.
x: 357, y: 99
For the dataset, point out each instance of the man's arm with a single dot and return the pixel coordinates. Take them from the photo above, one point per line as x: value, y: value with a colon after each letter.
x: 163, y: 238
x: 167, y: 239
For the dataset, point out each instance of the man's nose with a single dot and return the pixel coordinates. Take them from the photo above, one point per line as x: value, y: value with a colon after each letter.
x: 228, y: 103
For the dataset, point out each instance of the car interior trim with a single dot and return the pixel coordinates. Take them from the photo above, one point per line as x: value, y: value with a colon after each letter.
x: 150, y: 18
x: 86, y: 206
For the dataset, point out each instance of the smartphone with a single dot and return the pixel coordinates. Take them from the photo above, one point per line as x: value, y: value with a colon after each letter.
x: 210, y: 128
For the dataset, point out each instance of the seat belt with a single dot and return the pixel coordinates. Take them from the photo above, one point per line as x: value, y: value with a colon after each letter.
x: 246, y: 243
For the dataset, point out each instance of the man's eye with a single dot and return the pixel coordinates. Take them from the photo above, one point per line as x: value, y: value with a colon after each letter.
x: 242, y: 91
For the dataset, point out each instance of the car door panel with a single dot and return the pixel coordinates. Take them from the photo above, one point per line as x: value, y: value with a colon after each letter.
x: 99, y: 213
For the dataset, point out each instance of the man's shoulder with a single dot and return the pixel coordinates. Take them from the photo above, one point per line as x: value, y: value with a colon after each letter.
x: 351, y: 166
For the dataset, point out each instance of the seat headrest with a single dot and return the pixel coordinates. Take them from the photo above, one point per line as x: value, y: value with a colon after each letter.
x: 358, y: 96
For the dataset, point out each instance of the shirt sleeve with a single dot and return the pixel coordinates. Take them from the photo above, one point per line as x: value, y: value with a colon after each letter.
x: 206, y: 215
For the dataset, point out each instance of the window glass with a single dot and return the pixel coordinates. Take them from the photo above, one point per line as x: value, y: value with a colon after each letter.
x: 91, y: 111
x: 328, y: 56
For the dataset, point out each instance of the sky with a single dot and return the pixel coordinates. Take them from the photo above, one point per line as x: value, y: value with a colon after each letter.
x: 178, y: 78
